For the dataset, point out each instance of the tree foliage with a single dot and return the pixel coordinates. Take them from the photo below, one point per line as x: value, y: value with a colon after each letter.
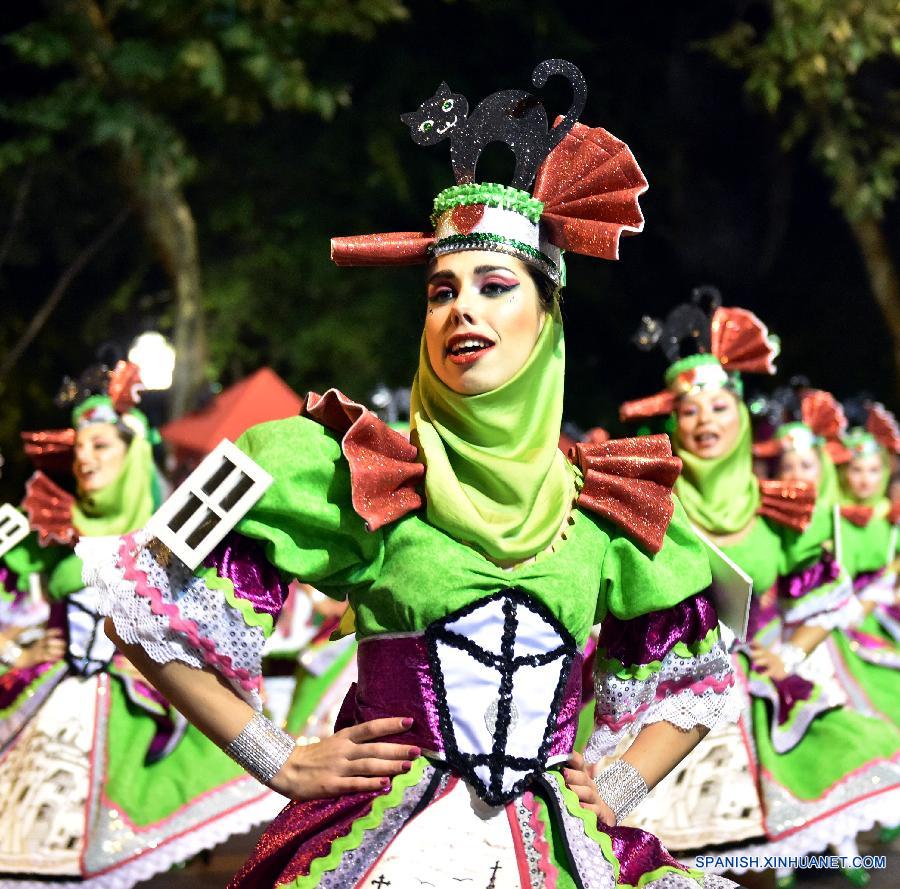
x: 826, y: 69
x: 131, y: 73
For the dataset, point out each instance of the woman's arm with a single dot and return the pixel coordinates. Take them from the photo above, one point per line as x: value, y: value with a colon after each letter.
x: 769, y: 661
x: 350, y: 761
x: 656, y: 750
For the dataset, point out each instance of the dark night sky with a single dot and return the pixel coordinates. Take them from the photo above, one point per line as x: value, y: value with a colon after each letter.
x: 725, y: 205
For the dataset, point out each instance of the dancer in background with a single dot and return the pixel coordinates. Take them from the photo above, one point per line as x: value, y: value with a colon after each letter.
x: 823, y: 772
x: 102, y: 782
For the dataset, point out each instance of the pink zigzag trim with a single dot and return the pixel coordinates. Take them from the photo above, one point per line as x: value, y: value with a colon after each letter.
x: 542, y: 847
x: 143, y: 587
x: 720, y: 686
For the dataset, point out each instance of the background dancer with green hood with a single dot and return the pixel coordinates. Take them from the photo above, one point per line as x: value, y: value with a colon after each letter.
x: 102, y: 782
x: 776, y: 534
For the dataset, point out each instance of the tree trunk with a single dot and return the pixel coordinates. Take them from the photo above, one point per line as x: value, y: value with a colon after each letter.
x: 168, y: 222
x: 170, y: 227
x: 884, y: 280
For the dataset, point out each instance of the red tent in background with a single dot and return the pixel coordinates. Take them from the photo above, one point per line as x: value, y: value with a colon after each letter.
x: 261, y: 396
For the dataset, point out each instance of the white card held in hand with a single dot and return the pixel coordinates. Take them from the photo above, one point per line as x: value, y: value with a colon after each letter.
x: 209, y: 503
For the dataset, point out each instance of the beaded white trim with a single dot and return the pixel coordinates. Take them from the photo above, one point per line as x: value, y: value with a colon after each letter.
x: 633, y: 701
x: 156, y: 861
x: 881, y: 590
x: 818, y: 835
x: 818, y: 601
x: 137, y: 623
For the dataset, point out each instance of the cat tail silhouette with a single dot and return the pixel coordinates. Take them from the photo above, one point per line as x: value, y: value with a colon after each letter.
x: 539, y: 77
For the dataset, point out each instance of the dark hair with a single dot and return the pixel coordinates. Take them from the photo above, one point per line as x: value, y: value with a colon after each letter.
x: 548, y: 292
x: 126, y: 434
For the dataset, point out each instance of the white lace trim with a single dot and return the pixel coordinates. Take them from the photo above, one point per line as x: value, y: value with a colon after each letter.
x: 844, y: 825
x: 137, y: 624
x: 847, y: 615
x: 881, y: 590
x: 635, y: 700
x: 818, y: 601
x: 685, y: 710
x: 155, y: 861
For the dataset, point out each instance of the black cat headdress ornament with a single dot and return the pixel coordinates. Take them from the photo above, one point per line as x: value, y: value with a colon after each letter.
x: 707, y: 345
x: 586, y: 183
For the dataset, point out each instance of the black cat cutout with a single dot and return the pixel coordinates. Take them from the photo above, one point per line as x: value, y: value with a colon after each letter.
x: 513, y: 117
x: 686, y: 330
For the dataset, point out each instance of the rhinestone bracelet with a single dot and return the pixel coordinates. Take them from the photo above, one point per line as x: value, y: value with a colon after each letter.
x: 621, y: 787
x: 791, y: 656
x: 261, y: 748
x: 10, y: 653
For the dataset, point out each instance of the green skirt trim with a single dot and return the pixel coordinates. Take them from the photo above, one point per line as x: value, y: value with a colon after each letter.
x: 30, y: 690
x: 589, y: 820
x: 354, y: 838
x: 879, y: 684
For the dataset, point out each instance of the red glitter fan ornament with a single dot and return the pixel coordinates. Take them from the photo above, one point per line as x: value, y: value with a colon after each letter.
x: 585, y: 196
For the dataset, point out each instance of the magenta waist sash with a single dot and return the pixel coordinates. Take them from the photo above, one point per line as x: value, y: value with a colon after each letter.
x: 396, y: 679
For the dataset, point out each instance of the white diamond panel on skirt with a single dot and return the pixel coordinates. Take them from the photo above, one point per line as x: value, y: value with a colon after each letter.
x: 500, y: 668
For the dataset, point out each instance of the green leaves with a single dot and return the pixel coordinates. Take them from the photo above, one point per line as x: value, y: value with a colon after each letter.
x: 815, y: 68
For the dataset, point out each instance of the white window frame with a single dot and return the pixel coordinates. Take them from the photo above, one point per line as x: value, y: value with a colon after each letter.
x: 14, y: 528
x: 172, y: 527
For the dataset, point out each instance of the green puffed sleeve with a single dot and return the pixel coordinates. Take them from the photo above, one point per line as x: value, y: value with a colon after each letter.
x: 305, y: 520
x: 27, y: 558
x: 634, y: 582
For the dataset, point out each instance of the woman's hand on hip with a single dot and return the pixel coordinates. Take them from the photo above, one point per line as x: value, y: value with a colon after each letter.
x: 352, y: 760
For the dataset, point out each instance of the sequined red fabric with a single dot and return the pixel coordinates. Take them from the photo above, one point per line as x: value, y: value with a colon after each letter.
x: 303, y: 832
x: 822, y: 413
x: 741, y: 341
x: 590, y: 184
x: 629, y: 481
x: 789, y: 503
x: 857, y: 514
x: 388, y: 248
x: 49, y: 511
x: 384, y: 471
x: 124, y: 387
x: 883, y: 425
x: 767, y: 449
x: 652, y: 406
x: 52, y: 450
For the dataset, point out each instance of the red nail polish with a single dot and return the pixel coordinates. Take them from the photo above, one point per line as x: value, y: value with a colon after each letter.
x: 406, y: 766
x: 385, y: 783
x: 406, y: 721
x: 414, y: 752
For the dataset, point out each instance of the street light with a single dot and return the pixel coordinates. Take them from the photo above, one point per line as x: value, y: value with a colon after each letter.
x: 155, y: 356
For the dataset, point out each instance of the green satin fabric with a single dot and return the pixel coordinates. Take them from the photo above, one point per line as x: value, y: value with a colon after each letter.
x: 721, y: 495
x: 496, y: 478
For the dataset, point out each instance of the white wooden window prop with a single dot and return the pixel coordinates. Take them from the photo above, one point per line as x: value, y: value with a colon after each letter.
x: 13, y: 527
x: 209, y: 503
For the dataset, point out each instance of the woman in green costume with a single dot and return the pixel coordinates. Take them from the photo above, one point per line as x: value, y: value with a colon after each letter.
x: 823, y: 772
x: 869, y: 652
x: 102, y: 782
x: 476, y: 558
